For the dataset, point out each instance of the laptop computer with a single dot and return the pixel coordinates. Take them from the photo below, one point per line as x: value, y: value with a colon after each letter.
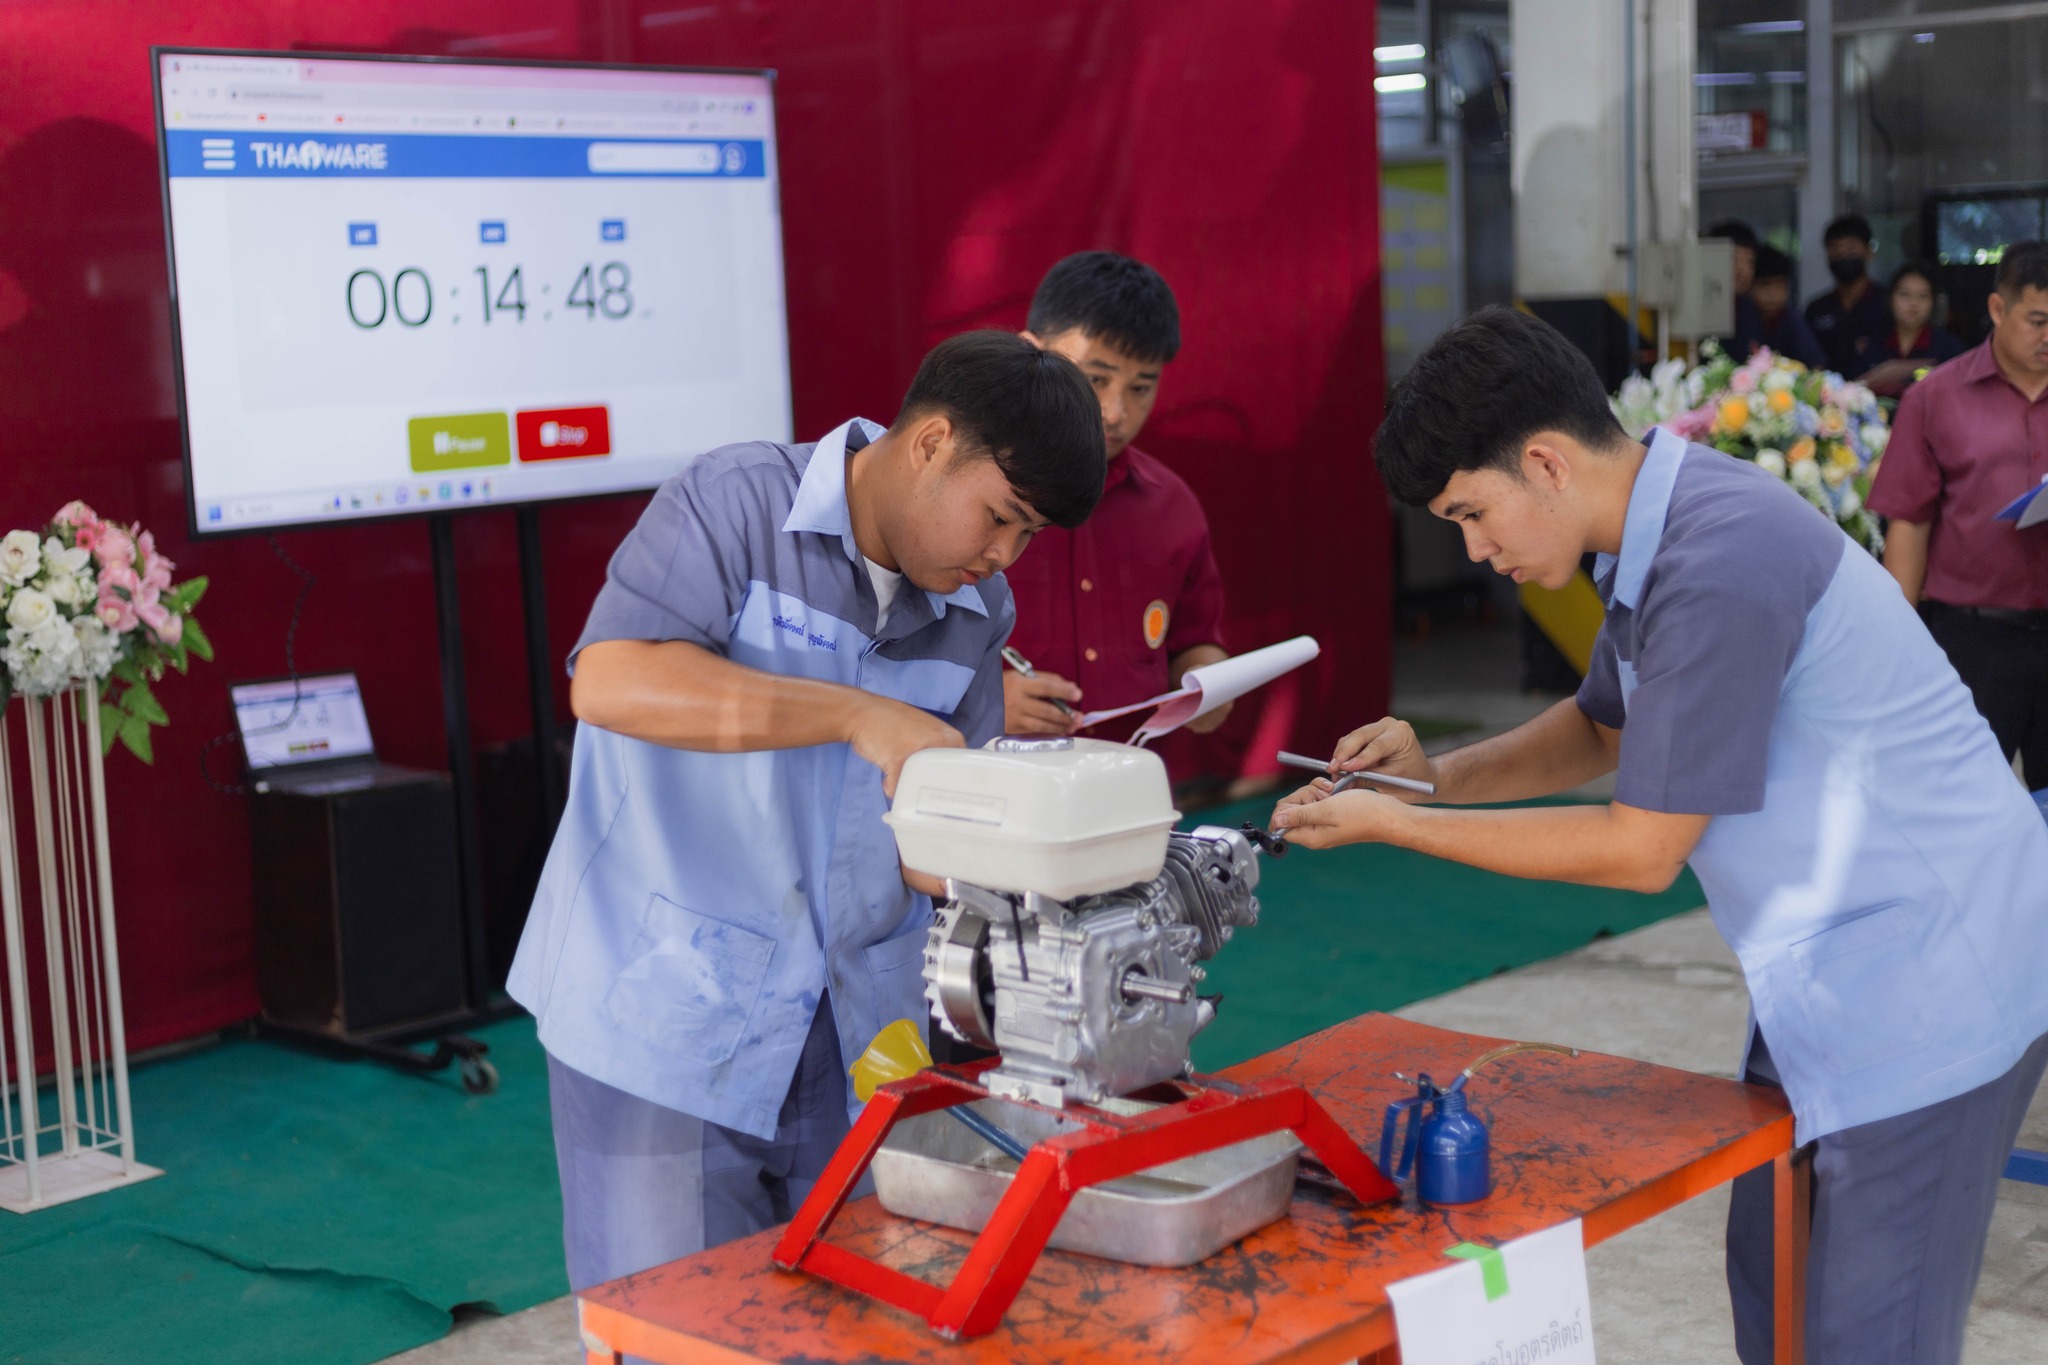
x: 310, y: 735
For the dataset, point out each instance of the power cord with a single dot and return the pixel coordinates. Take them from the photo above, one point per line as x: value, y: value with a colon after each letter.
x: 291, y: 665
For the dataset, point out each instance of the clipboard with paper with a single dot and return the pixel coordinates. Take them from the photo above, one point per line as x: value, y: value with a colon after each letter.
x: 2028, y: 509
x: 1204, y: 689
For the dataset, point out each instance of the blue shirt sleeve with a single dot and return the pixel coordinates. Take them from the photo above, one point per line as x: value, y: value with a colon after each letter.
x: 1715, y: 640
x: 682, y: 572
x: 1600, y: 694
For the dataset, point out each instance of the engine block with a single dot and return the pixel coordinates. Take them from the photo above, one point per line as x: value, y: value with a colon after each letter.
x: 1094, y: 996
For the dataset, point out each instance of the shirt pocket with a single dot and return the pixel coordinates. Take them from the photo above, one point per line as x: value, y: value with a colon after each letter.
x: 692, y: 984
x: 1146, y: 600
x: 897, y: 966
x: 1878, y: 989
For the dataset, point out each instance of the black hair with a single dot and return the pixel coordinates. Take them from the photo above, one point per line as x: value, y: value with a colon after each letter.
x: 2024, y: 266
x: 1910, y: 268
x: 1848, y: 225
x: 1736, y: 231
x: 1030, y: 410
x: 1772, y: 264
x: 1111, y: 298
x: 1477, y: 393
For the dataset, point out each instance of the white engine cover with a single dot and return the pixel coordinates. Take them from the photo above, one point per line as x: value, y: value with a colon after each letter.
x: 1058, y: 816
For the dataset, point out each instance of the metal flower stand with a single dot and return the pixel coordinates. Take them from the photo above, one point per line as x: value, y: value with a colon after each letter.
x: 87, y: 1143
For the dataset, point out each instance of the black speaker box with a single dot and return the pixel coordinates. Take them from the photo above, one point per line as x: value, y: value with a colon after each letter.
x: 358, y: 906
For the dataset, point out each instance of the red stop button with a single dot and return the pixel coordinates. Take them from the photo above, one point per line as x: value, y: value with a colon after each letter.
x: 564, y: 433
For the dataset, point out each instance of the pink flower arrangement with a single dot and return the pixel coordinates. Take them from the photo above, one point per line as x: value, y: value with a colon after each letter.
x: 91, y: 602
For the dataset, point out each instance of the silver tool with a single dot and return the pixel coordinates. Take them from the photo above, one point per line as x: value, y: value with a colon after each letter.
x: 1346, y: 781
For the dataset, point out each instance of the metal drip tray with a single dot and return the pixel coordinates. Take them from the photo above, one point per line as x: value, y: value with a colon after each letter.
x: 934, y: 1168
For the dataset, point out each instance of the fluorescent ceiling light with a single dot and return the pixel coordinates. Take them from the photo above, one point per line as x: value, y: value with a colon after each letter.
x: 1771, y: 26
x: 1400, y: 52
x: 1395, y: 85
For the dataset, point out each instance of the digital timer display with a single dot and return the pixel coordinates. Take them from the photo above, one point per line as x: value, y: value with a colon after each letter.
x: 402, y: 286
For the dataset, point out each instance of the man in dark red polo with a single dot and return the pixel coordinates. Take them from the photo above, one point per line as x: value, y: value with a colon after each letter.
x: 1967, y: 440
x: 1116, y: 610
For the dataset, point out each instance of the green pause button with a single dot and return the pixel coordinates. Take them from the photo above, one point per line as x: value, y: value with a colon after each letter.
x: 468, y: 440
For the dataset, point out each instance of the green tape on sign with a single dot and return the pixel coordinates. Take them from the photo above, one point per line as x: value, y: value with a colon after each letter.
x: 1493, y: 1268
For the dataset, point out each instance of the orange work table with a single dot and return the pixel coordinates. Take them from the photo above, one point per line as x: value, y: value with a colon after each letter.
x: 1604, y: 1139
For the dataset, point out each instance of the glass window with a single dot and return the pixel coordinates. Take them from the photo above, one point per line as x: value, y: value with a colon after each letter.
x: 1752, y: 75
x: 1916, y: 118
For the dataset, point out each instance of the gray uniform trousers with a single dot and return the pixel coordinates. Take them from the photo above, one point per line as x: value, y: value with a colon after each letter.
x: 643, y: 1184
x: 1900, y: 1212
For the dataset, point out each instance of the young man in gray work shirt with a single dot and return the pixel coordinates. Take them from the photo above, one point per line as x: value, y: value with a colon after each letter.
x: 723, y: 921
x: 1779, y: 719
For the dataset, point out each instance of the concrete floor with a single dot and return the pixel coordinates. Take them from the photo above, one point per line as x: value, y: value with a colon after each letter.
x: 1670, y: 993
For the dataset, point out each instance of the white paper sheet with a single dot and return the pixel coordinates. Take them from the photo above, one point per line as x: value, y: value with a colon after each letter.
x: 1541, y: 1312
x: 1204, y: 689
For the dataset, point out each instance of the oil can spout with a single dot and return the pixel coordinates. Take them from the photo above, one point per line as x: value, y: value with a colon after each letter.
x: 1508, y: 1050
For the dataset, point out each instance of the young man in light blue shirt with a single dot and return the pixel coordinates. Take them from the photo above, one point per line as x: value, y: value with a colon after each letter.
x: 1778, y: 718
x: 723, y: 921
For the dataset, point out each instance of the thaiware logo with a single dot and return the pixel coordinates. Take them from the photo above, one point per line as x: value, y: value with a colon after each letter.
x: 315, y: 155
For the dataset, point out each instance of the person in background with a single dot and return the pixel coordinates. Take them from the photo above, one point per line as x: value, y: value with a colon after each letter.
x: 1914, y: 344
x: 1851, y: 319
x: 1967, y: 440
x: 1748, y: 322
x: 1778, y: 326
x: 1118, y: 608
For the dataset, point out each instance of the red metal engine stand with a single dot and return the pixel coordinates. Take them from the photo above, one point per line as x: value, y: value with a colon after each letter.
x: 1206, y: 1114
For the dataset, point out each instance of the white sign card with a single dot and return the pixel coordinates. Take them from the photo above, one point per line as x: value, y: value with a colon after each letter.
x: 1523, y: 1303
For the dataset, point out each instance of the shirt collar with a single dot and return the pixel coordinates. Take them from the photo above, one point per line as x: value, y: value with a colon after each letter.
x: 1648, y: 504
x: 1123, y: 467
x: 820, y: 507
x: 1977, y: 363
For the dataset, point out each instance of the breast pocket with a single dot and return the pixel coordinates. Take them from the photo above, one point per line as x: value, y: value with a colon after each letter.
x: 934, y: 685
x: 897, y: 966
x: 1880, y: 987
x: 693, y: 983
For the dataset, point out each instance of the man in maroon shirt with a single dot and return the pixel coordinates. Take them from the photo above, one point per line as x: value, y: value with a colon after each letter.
x: 1119, y: 608
x: 1967, y: 440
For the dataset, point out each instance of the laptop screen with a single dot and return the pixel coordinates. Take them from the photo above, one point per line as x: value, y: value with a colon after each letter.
x: 312, y: 720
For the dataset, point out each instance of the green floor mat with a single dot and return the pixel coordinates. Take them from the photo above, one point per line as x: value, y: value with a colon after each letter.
x: 332, y: 1213
x: 311, y: 1211
x: 1372, y: 928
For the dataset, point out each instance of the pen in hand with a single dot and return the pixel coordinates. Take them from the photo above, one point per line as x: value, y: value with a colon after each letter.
x: 1024, y: 669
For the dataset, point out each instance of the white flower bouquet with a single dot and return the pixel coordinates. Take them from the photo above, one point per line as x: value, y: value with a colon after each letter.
x: 87, y: 600
x: 1811, y: 428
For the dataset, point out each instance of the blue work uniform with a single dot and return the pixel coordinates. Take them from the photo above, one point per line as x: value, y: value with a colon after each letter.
x: 1871, y: 860
x: 697, y: 909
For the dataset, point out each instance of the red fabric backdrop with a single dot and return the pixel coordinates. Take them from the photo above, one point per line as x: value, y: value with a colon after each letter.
x: 937, y: 158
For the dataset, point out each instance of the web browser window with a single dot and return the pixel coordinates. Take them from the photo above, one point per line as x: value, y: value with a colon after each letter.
x: 310, y: 720
x: 406, y: 286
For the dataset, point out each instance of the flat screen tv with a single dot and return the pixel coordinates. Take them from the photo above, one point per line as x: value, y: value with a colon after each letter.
x: 408, y: 285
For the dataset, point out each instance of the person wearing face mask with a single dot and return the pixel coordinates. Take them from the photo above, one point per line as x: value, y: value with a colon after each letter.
x: 1914, y: 344
x: 1851, y: 319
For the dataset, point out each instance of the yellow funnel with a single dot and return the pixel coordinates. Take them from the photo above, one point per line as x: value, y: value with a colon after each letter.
x: 898, y: 1051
